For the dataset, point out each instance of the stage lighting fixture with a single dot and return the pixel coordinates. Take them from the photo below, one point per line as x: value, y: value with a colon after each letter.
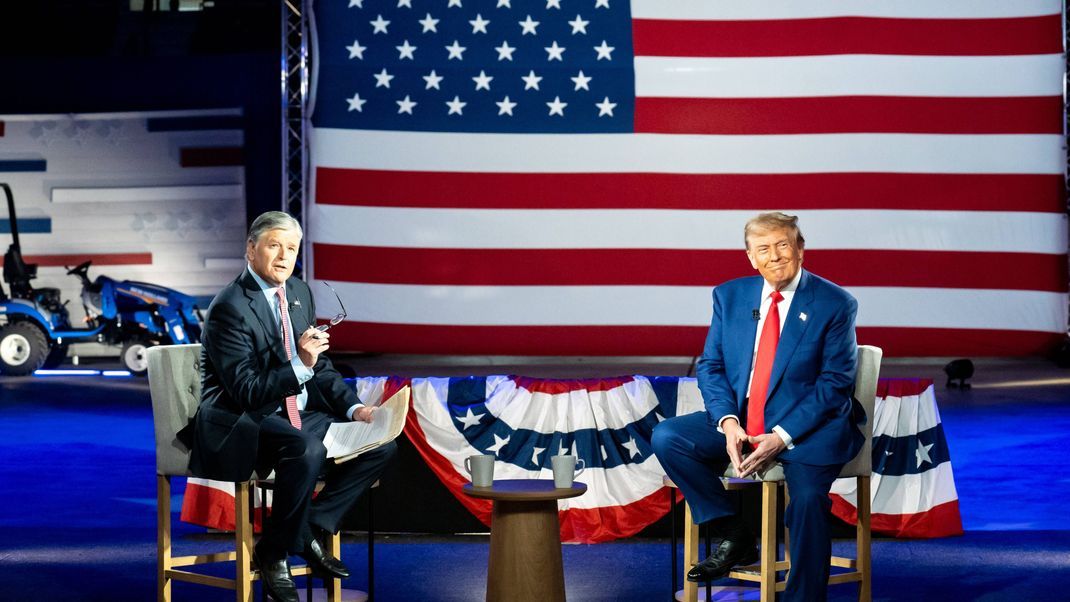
x: 959, y: 370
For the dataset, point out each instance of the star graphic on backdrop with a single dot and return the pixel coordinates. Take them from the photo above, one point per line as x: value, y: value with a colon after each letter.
x: 379, y: 24
x: 456, y: 51
x: 505, y: 106
x: 528, y: 26
x: 499, y: 443
x: 505, y: 51
x: 531, y: 80
x: 504, y: 3
x: 553, y: 4
x: 429, y: 23
x: 356, y: 51
x: 604, y: 51
x: 356, y: 3
x: 535, y: 455
x: 605, y: 107
x: 482, y: 80
x: 456, y: 3
x: 356, y: 103
x: 601, y: 3
x: 406, y: 51
x: 455, y: 106
x: 479, y: 24
x: 554, y: 52
x: 382, y: 79
x: 432, y: 79
x: 632, y: 447
x: 405, y: 105
x: 922, y: 454
x: 579, y: 25
x: 405, y: 3
x: 557, y: 107
x: 581, y: 80
x: 469, y: 419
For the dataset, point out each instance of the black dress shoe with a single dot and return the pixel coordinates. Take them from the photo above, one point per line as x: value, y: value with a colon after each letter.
x: 276, y: 577
x: 322, y: 562
x: 729, y: 553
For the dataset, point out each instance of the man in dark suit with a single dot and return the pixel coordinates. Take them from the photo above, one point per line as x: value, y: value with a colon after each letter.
x: 268, y: 396
x: 776, y: 377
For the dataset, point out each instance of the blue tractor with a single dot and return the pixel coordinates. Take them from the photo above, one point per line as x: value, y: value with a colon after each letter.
x: 35, y: 326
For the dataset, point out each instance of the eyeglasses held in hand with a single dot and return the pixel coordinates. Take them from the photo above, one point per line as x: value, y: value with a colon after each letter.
x: 337, y: 319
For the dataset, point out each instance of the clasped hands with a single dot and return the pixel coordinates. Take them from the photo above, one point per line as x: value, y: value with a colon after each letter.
x: 767, y: 447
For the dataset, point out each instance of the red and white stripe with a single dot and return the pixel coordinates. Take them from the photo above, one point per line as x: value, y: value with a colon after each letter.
x: 925, y: 504
x: 920, y: 143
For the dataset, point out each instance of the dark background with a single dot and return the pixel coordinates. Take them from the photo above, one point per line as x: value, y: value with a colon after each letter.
x: 82, y: 56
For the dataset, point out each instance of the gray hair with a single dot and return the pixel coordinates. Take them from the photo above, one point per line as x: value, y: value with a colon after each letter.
x: 774, y: 220
x: 272, y: 220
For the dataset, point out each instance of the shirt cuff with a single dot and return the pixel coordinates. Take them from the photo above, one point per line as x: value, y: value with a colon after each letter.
x: 301, y: 371
x: 784, y: 436
x: 721, y: 421
x: 352, y: 410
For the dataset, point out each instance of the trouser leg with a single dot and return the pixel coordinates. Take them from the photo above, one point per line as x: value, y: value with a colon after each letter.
x: 344, y: 484
x: 807, y: 516
x: 297, y: 457
x: 693, y: 454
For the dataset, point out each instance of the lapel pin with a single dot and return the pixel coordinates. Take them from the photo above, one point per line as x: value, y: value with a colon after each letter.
x: 802, y: 316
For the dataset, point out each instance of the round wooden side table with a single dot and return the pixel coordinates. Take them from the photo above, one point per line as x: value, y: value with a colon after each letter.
x: 525, y: 543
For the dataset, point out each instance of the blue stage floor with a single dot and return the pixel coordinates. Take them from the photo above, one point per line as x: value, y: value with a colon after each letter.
x: 77, y: 505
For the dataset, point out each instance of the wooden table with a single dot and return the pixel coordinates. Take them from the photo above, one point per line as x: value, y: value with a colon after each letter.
x: 525, y: 543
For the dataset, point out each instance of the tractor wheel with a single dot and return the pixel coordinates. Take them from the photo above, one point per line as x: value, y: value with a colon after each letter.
x: 23, y: 348
x: 56, y: 356
x: 133, y: 356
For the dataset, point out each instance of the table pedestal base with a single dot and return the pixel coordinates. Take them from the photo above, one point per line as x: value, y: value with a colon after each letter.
x: 525, y: 553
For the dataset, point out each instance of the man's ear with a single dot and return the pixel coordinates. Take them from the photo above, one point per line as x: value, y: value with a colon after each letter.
x: 753, y: 264
x: 249, y: 252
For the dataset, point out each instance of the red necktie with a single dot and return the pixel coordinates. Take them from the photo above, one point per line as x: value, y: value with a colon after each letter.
x: 284, y: 314
x: 763, y: 367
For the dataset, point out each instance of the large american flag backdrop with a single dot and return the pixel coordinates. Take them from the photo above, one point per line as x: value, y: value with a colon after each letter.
x: 572, y: 176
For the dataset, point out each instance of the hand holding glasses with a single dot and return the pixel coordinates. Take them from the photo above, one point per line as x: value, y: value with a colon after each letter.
x: 337, y: 319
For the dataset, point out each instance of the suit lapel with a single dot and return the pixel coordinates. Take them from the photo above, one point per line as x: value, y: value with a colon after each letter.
x: 297, y: 310
x: 746, y: 335
x: 258, y: 304
x: 794, y: 328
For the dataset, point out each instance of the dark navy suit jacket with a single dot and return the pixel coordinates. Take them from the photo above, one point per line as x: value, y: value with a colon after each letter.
x: 247, y: 376
x: 810, y: 390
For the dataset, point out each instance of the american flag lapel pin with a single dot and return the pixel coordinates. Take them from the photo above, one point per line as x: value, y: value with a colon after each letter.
x: 802, y: 316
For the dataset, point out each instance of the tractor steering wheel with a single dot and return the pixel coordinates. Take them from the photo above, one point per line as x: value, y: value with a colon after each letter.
x: 81, y: 269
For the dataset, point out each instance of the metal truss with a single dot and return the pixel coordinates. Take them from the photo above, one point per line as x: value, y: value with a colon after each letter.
x: 295, y: 88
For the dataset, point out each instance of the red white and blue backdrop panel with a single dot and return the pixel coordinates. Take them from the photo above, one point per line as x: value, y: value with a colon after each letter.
x: 538, y: 178
x: 607, y: 422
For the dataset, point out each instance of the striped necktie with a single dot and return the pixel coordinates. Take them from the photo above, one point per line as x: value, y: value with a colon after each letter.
x: 284, y: 315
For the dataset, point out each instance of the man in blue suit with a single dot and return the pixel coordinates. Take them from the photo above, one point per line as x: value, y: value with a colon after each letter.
x: 776, y: 376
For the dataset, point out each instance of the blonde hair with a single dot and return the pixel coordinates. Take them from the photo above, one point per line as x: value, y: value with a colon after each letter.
x: 773, y: 220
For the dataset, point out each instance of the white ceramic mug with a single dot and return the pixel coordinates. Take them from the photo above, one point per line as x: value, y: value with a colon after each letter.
x: 481, y: 468
x: 565, y: 470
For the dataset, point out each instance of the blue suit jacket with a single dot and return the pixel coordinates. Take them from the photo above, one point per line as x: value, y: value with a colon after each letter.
x: 811, y: 387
